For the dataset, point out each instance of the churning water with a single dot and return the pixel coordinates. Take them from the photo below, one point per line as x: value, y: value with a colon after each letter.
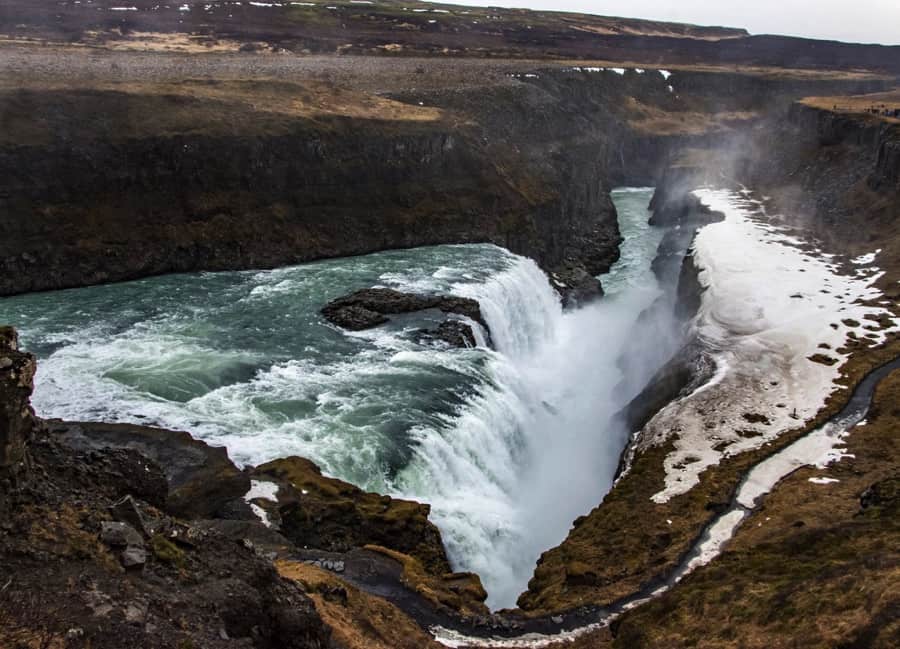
x: 509, y: 446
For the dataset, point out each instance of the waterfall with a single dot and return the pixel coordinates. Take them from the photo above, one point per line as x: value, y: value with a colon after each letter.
x: 535, y: 447
x: 520, y: 307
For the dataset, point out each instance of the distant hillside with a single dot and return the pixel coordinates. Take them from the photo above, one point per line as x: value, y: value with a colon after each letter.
x: 415, y: 28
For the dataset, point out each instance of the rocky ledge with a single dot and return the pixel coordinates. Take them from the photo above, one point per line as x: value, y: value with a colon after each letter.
x: 370, y: 307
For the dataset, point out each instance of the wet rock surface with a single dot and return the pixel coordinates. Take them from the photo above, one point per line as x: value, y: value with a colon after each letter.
x: 368, y: 308
x: 450, y: 332
x: 576, y: 285
x: 17, y: 420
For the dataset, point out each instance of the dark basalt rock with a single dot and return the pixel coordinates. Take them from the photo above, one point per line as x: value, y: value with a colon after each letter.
x: 452, y: 332
x: 884, y: 494
x: 368, y: 307
x: 355, y: 318
x: 201, y: 478
x: 576, y: 286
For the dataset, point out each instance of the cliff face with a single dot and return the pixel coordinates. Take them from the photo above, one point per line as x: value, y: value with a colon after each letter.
x: 92, y: 205
x: 90, y: 211
x: 832, y: 173
x: 836, y: 172
x: 115, y: 179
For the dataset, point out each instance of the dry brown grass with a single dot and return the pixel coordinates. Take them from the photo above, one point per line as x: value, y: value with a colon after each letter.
x: 39, y: 113
x: 181, y: 43
x: 652, y: 120
x: 859, y: 104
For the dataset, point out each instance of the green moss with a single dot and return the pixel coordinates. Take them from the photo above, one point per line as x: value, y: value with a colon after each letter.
x: 167, y: 552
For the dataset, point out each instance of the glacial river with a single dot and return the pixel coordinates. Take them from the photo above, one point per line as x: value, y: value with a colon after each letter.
x: 509, y: 445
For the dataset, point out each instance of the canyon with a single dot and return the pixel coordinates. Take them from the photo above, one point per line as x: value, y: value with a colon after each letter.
x: 140, y: 145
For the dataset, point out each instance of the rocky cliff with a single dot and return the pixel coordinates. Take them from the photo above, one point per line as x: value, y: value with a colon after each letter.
x: 836, y: 170
x: 17, y: 420
x: 105, y: 176
x: 114, y: 187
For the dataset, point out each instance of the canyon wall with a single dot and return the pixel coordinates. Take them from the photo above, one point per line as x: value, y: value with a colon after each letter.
x: 140, y: 193
x: 103, y: 182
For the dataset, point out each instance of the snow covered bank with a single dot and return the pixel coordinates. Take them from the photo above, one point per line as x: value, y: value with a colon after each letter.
x: 775, y: 316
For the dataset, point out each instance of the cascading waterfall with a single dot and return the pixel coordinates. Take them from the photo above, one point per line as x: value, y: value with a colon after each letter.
x: 508, y: 445
x: 537, y: 448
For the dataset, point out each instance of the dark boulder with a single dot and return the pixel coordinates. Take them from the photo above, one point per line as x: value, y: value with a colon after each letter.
x: 127, y: 541
x: 369, y: 307
x: 356, y: 318
x: 576, y: 286
x: 201, y: 478
x: 451, y: 332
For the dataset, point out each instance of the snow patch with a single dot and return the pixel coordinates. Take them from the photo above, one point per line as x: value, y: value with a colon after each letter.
x: 769, y: 306
x: 261, y: 490
x: 865, y: 260
x: 823, y: 480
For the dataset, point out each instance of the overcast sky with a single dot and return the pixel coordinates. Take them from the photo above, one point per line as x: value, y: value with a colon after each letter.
x: 860, y: 21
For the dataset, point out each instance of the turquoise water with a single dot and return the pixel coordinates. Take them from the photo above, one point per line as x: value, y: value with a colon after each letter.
x: 508, y: 445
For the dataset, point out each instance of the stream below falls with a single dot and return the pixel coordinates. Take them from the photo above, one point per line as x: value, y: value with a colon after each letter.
x: 509, y: 445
